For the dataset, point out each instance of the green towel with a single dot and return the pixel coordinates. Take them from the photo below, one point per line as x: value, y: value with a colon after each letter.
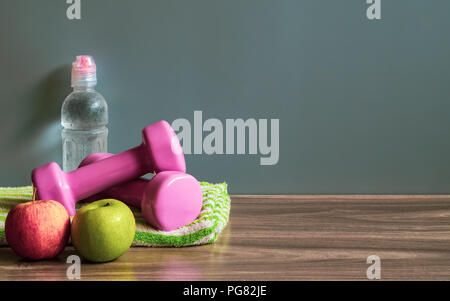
x: 204, y: 230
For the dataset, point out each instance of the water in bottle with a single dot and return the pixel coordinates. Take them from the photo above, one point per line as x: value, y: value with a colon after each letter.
x: 84, y: 116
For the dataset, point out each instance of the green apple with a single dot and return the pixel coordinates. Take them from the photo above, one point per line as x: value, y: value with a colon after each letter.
x: 103, y: 230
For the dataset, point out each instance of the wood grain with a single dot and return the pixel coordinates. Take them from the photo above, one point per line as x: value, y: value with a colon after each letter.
x: 288, y: 237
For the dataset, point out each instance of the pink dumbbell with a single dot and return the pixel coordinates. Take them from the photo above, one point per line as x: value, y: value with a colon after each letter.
x: 169, y: 200
x: 159, y: 151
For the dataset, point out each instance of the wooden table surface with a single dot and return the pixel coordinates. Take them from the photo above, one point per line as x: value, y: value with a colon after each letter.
x: 287, y: 238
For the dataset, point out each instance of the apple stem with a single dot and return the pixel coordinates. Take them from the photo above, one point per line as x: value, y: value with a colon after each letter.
x: 34, y: 193
x: 107, y: 204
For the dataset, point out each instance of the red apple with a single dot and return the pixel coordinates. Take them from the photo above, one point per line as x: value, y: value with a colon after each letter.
x: 38, y: 229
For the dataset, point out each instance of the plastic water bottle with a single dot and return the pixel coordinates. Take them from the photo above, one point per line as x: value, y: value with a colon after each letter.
x: 84, y: 116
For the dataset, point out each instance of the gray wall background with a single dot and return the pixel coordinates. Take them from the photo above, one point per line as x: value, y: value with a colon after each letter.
x: 363, y: 105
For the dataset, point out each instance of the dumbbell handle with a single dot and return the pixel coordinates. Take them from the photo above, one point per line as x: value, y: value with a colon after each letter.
x: 130, y: 193
x: 116, y: 169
